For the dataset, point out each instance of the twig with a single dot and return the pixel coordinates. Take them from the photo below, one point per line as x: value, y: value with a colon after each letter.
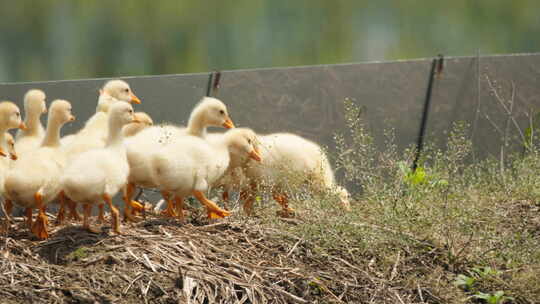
x: 399, y: 298
x: 506, y: 109
x: 140, y: 275
x: 293, y: 248
x: 290, y: 295
x: 148, y: 263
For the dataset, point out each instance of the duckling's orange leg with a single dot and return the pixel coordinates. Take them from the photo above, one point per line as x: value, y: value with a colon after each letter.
x: 115, y: 215
x: 179, y: 205
x: 8, y: 208
x: 87, y: 209
x: 129, y: 209
x: 73, y: 210
x: 61, y: 216
x: 136, y: 207
x: 170, y: 206
x: 212, y: 209
x: 101, y: 214
x: 282, y: 199
x: 39, y: 228
x: 28, y: 213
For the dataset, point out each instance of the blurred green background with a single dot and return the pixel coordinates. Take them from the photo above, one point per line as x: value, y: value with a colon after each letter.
x: 48, y: 39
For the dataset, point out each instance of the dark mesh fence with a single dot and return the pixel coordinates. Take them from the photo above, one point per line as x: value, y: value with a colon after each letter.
x: 496, y: 95
x: 309, y: 100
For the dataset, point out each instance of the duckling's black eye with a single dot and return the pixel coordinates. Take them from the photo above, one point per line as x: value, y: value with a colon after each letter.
x: 249, y: 141
x: 221, y: 112
x: 17, y: 114
x: 127, y: 90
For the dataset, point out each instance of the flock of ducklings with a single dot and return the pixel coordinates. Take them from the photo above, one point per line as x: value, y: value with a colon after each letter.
x: 118, y: 150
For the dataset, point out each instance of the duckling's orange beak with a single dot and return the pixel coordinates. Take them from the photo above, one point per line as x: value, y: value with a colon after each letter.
x: 135, y: 120
x: 72, y: 118
x: 22, y: 125
x: 228, y: 124
x: 13, y: 156
x: 254, y: 154
x: 134, y: 99
x: 2, y: 153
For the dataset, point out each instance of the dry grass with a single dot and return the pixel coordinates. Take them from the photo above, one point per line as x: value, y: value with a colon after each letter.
x: 161, y: 261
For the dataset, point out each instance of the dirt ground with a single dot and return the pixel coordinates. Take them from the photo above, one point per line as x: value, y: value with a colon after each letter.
x: 159, y: 260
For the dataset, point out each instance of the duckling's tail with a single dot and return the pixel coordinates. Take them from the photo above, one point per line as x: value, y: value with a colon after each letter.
x: 158, y: 165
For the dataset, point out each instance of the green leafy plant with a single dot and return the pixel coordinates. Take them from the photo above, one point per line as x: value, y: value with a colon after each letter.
x: 531, y: 138
x: 496, y: 298
x: 465, y: 282
x: 315, y: 287
x: 420, y: 176
x: 484, y: 272
x: 79, y: 254
x: 411, y: 177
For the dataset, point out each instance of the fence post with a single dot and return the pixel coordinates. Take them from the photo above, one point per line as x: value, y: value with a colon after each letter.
x: 436, y: 69
x: 212, y: 85
x: 209, y: 84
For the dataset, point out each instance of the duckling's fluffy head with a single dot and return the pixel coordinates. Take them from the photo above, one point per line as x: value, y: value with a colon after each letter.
x: 10, y: 116
x: 142, y: 121
x: 61, y: 110
x: 143, y: 118
x: 119, y: 90
x: 243, y: 142
x: 212, y: 112
x: 122, y: 113
x: 34, y: 101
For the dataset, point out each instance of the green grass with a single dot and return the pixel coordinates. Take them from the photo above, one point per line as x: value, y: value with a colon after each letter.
x: 79, y: 254
x: 460, y: 231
